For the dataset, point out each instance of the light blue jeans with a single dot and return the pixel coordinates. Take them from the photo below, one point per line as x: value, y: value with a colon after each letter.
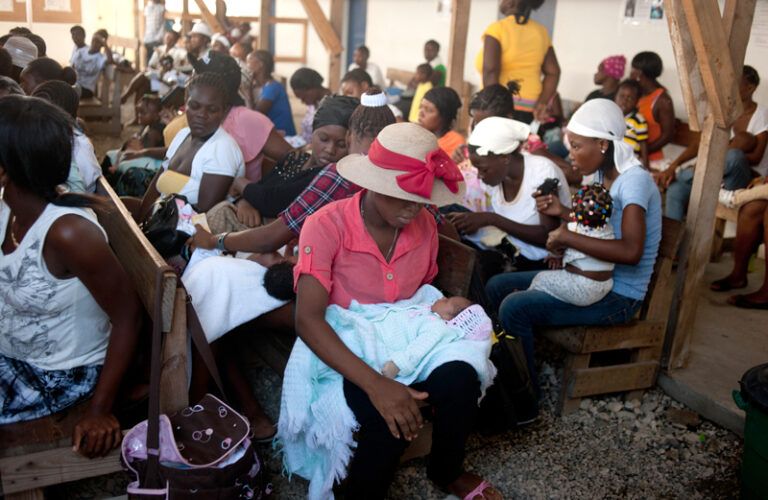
x: 521, y: 311
x: 736, y: 176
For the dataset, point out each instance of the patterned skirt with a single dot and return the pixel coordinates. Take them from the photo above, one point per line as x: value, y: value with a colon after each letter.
x: 27, y: 392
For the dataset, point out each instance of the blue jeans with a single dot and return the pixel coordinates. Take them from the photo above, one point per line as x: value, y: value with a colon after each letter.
x: 736, y: 176
x: 521, y: 310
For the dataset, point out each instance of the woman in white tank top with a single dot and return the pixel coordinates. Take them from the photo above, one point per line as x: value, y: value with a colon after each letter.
x: 69, y: 316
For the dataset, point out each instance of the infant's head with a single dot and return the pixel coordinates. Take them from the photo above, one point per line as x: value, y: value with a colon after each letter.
x: 592, y: 206
x: 449, y: 307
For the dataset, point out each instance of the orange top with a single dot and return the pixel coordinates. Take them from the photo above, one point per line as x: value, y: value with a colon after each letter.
x: 450, y: 141
x: 645, y: 105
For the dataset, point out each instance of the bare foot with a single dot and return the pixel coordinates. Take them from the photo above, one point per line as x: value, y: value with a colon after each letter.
x: 467, y: 482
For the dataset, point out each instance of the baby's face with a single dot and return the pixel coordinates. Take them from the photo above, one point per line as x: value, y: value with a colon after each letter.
x: 449, y: 307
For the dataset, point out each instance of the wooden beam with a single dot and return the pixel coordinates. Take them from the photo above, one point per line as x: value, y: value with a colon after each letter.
x: 714, y: 57
x: 264, y: 23
x: 691, y: 84
x: 322, y: 26
x: 209, y: 18
x: 458, y: 43
x: 709, y: 172
x: 337, y: 23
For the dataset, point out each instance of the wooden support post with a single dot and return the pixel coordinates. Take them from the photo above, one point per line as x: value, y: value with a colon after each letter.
x: 265, y: 17
x: 209, y: 18
x: 708, y: 34
x: 323, y: 28
x: 335, y: 66
x: 186, y: 24
x: 458, y: 44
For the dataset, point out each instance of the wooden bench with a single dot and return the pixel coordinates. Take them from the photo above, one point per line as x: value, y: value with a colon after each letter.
x: 38, y: 453
x: 455, y: 262
x: 105, y: 106
x: 642, y: 339
x: 404, y: 77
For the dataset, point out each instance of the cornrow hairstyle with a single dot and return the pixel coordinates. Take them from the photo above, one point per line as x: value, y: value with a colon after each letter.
x: 60, y: 94
x: 212, y: 80
x: 592, y: 206
x: 633, y: 84
x: 306, y: 79
x: 36, y: 149
x: 497, y: 99
x: 368, y: 121
x: 9, y: 86
x: 447, y: 102
x: 358, y: 75
x: 228, y: 71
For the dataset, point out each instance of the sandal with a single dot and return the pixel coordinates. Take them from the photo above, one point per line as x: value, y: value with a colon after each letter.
x: 743, y: 302
x: 724, y: 285
x: 479, y: 491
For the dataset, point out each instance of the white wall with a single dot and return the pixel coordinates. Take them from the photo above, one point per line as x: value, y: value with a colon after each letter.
x: 586, y: 31
x: 116, y: 16
x: 397, y: 29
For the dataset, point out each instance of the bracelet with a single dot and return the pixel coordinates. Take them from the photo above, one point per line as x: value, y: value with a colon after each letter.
x: 220, y: 242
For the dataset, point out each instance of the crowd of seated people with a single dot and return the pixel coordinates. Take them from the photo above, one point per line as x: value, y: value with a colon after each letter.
x: 348, y: 206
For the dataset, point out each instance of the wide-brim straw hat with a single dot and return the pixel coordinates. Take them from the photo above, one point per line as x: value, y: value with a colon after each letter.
x: 406, y: 154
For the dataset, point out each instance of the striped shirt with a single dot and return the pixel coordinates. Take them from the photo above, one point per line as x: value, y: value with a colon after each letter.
x: 637, y: 130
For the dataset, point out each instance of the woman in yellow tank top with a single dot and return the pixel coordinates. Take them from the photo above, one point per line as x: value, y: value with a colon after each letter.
x: 519, y: 49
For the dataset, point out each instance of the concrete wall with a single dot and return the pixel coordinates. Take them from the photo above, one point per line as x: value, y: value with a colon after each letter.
x: 586, y: 31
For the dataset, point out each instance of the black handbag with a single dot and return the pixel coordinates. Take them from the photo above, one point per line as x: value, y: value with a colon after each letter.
x: 511, y: 401
x: 160, y: 226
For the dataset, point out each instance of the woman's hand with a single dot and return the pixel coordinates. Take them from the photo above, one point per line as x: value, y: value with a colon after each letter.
x: 667, y: 177
x: 540, y: 112
x: 397, y: 405
x: 238, y: 186
x: 96, y: 434
x: 246, y: 214
x: 134, y: 153
x: 554, y: 261
x: 458, y: 154
x: 203, y: 239
x: 556, y: 240
x: 470, y: 222
x: 549, y: 204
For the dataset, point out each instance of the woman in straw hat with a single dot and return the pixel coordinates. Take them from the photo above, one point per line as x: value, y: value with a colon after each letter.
x: 596, y: 134
x: 381, y: 246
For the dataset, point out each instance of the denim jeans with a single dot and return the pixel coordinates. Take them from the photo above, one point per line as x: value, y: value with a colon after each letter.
x: 736, y: 176
x: 521, y: 310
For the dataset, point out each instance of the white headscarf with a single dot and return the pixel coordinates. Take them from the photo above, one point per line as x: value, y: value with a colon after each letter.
x: 603, y: 119
x: 499, y: 136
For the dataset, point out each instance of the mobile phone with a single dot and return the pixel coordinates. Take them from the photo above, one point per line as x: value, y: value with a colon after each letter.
x: 549, y: 186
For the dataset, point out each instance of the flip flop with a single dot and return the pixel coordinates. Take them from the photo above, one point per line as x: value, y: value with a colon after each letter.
x: 724, y: 285
x: 479, y: 490
x: 744, y: 303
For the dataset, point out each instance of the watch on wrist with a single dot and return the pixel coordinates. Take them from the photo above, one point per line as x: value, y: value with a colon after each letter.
x: 220, y: 242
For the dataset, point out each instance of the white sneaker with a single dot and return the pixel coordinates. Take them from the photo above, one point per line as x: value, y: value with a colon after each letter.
x: 727, y: 198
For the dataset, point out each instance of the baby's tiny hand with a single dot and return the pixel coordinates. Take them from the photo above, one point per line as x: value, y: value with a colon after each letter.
x: 390, y: 370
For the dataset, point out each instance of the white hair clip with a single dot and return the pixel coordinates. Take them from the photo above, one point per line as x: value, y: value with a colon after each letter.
x: 373, y: 101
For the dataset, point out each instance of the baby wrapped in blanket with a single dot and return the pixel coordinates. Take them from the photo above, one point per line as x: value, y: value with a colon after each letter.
x: 316, y: 427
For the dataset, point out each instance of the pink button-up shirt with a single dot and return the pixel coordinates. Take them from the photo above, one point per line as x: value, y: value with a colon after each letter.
x: 336, y: 248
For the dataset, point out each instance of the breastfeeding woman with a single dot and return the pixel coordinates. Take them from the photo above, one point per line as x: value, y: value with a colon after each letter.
x: 385, y: 234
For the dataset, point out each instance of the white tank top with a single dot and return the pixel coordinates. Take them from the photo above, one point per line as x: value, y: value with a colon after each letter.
x: 50, y: 323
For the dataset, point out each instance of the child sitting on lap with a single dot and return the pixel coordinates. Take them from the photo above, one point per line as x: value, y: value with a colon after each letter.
x: 584, y: 280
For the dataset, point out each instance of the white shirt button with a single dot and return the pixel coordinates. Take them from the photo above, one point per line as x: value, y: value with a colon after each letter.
x: 390, y: 276
x: 307, y: 249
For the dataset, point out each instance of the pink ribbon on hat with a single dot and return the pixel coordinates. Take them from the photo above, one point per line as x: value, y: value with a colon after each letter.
x: 419, y: 176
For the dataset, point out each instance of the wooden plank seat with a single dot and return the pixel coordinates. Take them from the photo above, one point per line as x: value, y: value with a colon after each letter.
x: 105, y: 105
x: 641, y: 340
x: 38, y: 453
x: 723, y: 215
x: 455, y: 262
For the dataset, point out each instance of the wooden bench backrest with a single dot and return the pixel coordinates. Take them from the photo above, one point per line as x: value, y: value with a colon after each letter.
x: 658, y: 299
x: 137, y: 255
x: 455, y: 262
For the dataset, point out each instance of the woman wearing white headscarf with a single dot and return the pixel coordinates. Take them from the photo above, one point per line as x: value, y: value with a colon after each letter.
x: 511, y: 179
x: 595, y: 132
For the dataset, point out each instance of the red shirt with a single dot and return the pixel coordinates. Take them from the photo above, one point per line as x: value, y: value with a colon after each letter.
x: 336, y: 248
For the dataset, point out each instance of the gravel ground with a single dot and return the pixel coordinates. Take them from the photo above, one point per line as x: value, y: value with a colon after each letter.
x: 653, y: 448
